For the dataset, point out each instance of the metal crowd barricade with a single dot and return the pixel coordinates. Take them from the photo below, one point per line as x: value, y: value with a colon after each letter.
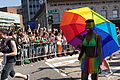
x: 37, y: 51
x: 23, y: 54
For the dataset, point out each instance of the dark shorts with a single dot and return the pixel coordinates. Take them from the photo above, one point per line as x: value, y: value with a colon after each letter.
x: 64, y: 47
x: 8, y: 70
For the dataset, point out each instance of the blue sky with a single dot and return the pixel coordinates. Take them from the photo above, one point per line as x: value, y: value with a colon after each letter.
x: 4, y: 3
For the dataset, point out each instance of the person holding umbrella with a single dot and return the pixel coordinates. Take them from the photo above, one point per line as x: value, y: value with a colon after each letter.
x: 75, y: 25
x: 92, y: 49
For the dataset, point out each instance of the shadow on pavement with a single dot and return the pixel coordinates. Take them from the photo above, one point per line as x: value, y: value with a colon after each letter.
x: 40, y: 69
x: 116, y: 74
x: 114, y: 63
x: 46, y: 78
x: 115, y: 58
x: 118, y: 71
x: 61, y: 67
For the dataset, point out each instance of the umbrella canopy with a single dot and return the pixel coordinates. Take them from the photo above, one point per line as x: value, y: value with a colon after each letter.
x: 73, y: 27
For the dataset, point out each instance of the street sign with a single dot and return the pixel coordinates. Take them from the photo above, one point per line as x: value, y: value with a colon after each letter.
x: 52, y: 11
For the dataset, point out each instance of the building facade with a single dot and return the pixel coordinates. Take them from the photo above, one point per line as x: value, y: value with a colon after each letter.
x: 19, y: 9
x: 109, y: 9
x: 29, y: 9
x: 9, y: 18
x: 9, y: 9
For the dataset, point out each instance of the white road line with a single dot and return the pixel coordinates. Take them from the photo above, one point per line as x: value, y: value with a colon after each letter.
x: 114, y: 69
x: 55, y: 69
x: 65, y: 62
x: 60, y: 58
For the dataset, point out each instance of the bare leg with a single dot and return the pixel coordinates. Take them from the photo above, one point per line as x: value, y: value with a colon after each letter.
x: 94, y: 76
x: 107, y: 65
x: 84, y: 76
x: 19, y: 75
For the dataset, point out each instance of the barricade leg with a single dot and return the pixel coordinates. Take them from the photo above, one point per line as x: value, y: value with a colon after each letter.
x: 22, y: 57
x: 55, y: 49
x: 45, y: 51
x: 50, y: 51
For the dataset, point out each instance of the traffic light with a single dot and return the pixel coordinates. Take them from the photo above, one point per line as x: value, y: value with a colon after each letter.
x: 50, y: 19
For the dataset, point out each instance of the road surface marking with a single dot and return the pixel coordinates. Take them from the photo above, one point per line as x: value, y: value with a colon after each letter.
x: 65, y: 62
x: 63, y: 74
x: 65, y: 57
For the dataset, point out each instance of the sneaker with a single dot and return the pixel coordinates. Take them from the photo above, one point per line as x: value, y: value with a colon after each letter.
x: 103, y: 73
x: 110, y: 73
x: 28, y: 77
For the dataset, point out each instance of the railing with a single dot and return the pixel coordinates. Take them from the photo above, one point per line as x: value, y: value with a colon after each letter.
x: 34, y: 52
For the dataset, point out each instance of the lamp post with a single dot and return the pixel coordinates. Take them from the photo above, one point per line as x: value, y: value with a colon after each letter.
x: 44, y: 3
x: 49, y: 25
x: 50, y: 21
x: 46, y: 11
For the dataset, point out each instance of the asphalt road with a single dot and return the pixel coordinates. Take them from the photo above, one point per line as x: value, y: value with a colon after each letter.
x: 39, y: 71
x: 64, y: 68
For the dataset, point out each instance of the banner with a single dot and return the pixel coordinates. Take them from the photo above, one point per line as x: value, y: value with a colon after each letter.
x: 32, y: 24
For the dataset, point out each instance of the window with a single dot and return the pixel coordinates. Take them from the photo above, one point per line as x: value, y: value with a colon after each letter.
x: 61, y: 4
x: 67, y: 3
x: 104, y: 13
x: 93, y: 8
x: 67, y: 9
x: 115, y: 13
x: 37, y: 6
x: 31, y: 13
x: 30, y: 6
x: 31, y: 9
x: 103, y: 2
x: 31, y: 2
x: 85, y: 3
x: 56, y: 17
x: 34, y: 6
x: 53, y: 4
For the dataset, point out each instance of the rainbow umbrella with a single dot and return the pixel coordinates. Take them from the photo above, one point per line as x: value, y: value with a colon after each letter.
x: 73, y: 27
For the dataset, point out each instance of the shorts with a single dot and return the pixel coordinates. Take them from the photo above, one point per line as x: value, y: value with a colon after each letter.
x: 90, y: 65
x: 8, y: 70
x: 64, y: 47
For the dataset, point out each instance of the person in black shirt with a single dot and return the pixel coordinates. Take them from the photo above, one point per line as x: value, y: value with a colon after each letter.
x: 10, y: 51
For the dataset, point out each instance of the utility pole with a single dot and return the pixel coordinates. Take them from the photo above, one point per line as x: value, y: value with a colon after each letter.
x: 45, y: 1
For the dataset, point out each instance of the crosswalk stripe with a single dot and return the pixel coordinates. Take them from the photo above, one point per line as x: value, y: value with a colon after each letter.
x: 55, y: 69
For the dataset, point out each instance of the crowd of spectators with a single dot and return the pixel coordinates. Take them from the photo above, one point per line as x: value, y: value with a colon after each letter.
x: 41, y: 42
